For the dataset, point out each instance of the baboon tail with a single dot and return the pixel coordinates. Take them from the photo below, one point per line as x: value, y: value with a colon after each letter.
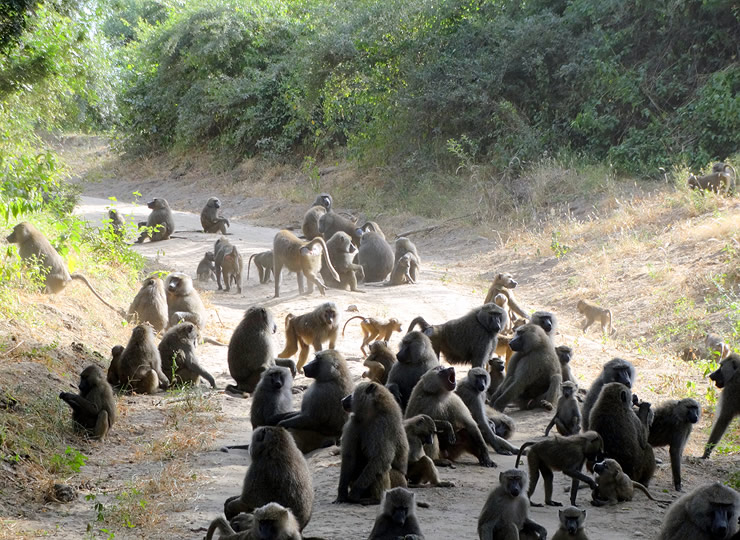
x: 521, y: 452
x: 354, y: 317
x: 638, y: 485
x: 423, y: 325
x: 249, y: 264
x: 82, y: 278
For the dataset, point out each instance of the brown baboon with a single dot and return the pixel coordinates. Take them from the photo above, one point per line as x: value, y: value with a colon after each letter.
x: 270, y: 522
x: 571, y: 524
x: 211, y: 220
x: 375, y: 256
x: 373, y: 328
x: 183, y: 301
x: 331, y: 222
x: 421, y: 431
x: 150, y: 305
x: 272, y: 398
x: 160, y: 220
x: 716, y: 347
x: 614, y: 485
x: 313, y: 215
x: 375, y: 451
x: 565, y: 355
x: 312, y: 328
x: 615, y: 370
x: 34, y: 248
x: 403, y: 246
x: 415, y: 357
x: 434, y: 396
x: 594, y: 313
x: 228, y: 261
x: 303, y: 258
x: 401, y: 273
x: 567, y: 419
x: 502, y: 349
x: 623, y: 432
x: 206, y: 267
x: 671, y: 427
x: 341, y: 254
x: 501, y: 301
x: 505, y: 513
x: 502, y: 284
x: 397, y: 517
x: 264, y: 263
x: 721, y: 179
x: 566, y: 454
x: 379, y: 362
x: 708, y: 513
x: 139, y: 366
x: 278, y: 473
x: 177, y: 351
x: 117, y: 223
x: 496, y: 367
x: 94, y: 408
x: 322, y: 417
x: 468, y: 339
x: 727, y: 378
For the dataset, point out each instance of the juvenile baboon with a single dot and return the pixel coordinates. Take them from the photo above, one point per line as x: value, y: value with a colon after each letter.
x: 183, y: 301
x: 160, y: 220
x: 565, y: 355
x: 421, y: 431
x: 330, y: 222
x: 228, y: 261
x: 206, y: 267
x: 505, y: 513
x: 567, y: 419
x: 375, y: 256
x: 566, y: 454
x: 270, y: 522
x: 593, y: 313
x: 320, y: 206
x: 310, y: 329
x: 139, y: 366
x: 379, y: 362
x: 716, y: 347
x: 615, y: 370
x: 727, y: 378
x: 415, y: 357
x: 211, y: 219
x: 374, y: 447
x: 501, y: 301
x: 403, y: 246
x: 272, y: 398
x: 117, y: 223
x: 708, y: 513
x: 722, y: 178
x: 571, y: 524
x: 468, y: 339
x: 114, y: 376
x: 303, y: 258
x: 278, y: 473
x: 94, y: 408
x: 614, y: 485
x: 177, y: 351
x: 150, y: 305
x: 264, y: 263
x: 503, y: 283
x: 401, y: 273
x: 397, y: 517
x: 35, y: 249
x: 373, y: 328
x: 671, y: 427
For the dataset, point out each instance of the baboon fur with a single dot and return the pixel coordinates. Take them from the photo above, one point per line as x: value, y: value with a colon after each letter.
x: 503, y: 283
x: 615, y: 370
x: 379, y: 362
x: 505, y: 513
x: 210, y: 217
x: 160, y: 219
x: 183, y: 301
x: 94, y: 408
x: 150, y: 305
x: 375, y: 256
x: 310, y: 329
x: 397, y: 517
x: 273, y: 397
x: 264, y: 263
x: 672, y: 427
x: 726, y: 378
x: 139, y: 365
x: 415, y: 357
x: 709, y: 512
x: 179, y: 361
x: 303, y: 258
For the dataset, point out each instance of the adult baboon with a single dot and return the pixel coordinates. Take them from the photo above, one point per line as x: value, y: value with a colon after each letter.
x: 547, y: 321
x: 567, y: 419
x: 671, y: 427
x: 270, y: 522
x: 403, y: 246
x: 341, y: 254
x: 415, y: 357
x: 35, y: 249
x: 312, y: 328
x: 505, y: 513
x: 571, y: 524
x: 94, y: 408
x: 566, y: 454
x: 161, y: 222
x: 722, y: 178
x: 320, y: 206
x: 183, y: 301
x: 397, y: 517
x: 421, y: 431
x: 727, y: 378
x: 303, y: 258
x: 565, y: 355
x: 401, y: 273
x: 593, y: 313
x: 373, y: 328
x: 264, y: 263
x: 468, y: 339
x: 211, y: 219
x: 503, y: 283
x: 615, y: 370
x: 150, y: 305
x: 330, y: 222
x: 206, y: 267
x: 117, y: 223
x: 139, y: 366
x: 375, y: 256
x: 709, y: 512
x: 177, y: 351
x: 614, y: 485
x: 272, y: 398
x: 228, y: 261
x: 379, y: 362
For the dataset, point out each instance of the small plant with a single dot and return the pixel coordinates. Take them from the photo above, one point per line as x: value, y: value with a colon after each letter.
x: 71, y: 461
x: 312, y: 171
x: 559, y: 249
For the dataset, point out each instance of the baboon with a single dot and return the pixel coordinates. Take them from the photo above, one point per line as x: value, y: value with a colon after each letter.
x: 303, y: 258
x: 501, y: 301
x: 341, y: 254
x: 567, y: 419
x: 434, y: 396
x: 421, y: 431
x: 160, y: 220
x: 565, y: 355
x: 623, y: 432
x: 716, y: 347
x: 177, y: 351
x: 472, y: 391
x: 671, y: 427
x: 228, y: 261
x: 726, y: 378
x: 264, y: 263
x: 415, y: 357
x: 117, y: 223
x: 330, y: 222
x: 566, y: 454
x: 206, y: 267
x: 35, y: 249
x: 373, y: 328
x: 594, y: 313
x: 722, y: 178
x: 139, y: 366
x: 114, y: 376
x: 547, y: 321
x: 397, y: 517
x: 379, y: 362
x: 496, y: 367
x: 150, y: 305
x: 468, y: 339
x: 320, y: 206
x: 505, y: 513
x: 571, y: 524
x: 503, y: 283
x: 278, y: 473
x: 322, y: 417
x: 374, y: 448
x: 375, y: 256
x: 403, y: 246
x: 533, y: 377
x: 312, y: 328
x: 501, y: 424
x: 371, y: 226
x: 614, y: 485
x: 401, y: 273
x: 183, y: 301
x: 615, y: 370
x: 272, y: 398
x: 94, y: 408
x: 211, y: 220
x: 270, y: 522
x: 502, y: 349
x: 708, y: 513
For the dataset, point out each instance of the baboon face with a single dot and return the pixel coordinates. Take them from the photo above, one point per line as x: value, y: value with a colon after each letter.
x: 618, y: 370
x: 320, y: 367
x: 608, y: 467
x: 514, y: 482
x: 479, y: 379
x: 20, y: 233
x: 492, y: 317
x: 157, y: 204
x: 565, y: 353
x: 188, y: 332
x: 545, y: 320
x: 423, y: 427
x: 214, y: 202
x: 594, y: 446
x: 209, y: 256
x: 277, y: 377
x: 329, y: 313
x: 527, y: 338
x: 90, y: 377
x: 506, y: 280
x: 179, y: 284
x: 395, y: 325
x: 344, y: 242
x: 398, y: 504
x: 447, y: 378
x: 497, y: 364
x: 568, y: 389
x: 323, y: 199
x: 572, y: 519
x: 141, y: 332
x: 727, y: 370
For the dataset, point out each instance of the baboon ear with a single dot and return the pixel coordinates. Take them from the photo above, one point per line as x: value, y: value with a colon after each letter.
x: 624, y: 397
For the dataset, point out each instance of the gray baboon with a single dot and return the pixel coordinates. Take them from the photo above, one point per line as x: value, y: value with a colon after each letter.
x: 303, y: 258
x: 708, y: 513
x: 671, y: 427
x: 150, y: 305
x: 397, y: 517
x: 117, y: 223
x: 183, y: 301
x: 94, y: 408
x: 401, y: 273
x: 373, y: 328
x: 547, y: 321
x: 375, y: 256
x: 615, y: 370
x: 727, y: 378
x: 614, y: 485
x: 503, y: 283
x: 414, y: 358
x: 421, y: 431
x: 160, y: 221
x: 310, y: 329
x: 505, y: 513
x: 320, y: 206
x: 206, y: 267
x: 567, y: 419
x: 177, y: 351
x: 331, y: 222
x: 35, y: 249
x: 211, y: 219
x: 114, y: 369
x: 565, y: 355
x: 342, y: 253
x: 716, y: 347
x: 721, y: 179
x: 566, y: 454
x: 264, y: 263
x: 572, y: 521
x: 273, y: 397
x: 139, y: 366
x: 593, y: 313
x: 496, y: 367
x: 270, y: 522
x: 403, y: 246
x: 228, y: 261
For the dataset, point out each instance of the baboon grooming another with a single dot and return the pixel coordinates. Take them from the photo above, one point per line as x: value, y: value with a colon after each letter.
x: 270, y: 522
x: 567, y: 419
x: 671, y: 427
x: 341, y: 254
x: 272, y: 398
x: 264, y: 263
x: 206, y: 267
x: 502, y: 284
x: 373, y: 328
x: 183, y: 301
x: 303, y: 258
x: 177, y: 351
x: 571, y: 524
x: 615, y: 370
x: 312, y: 328
x: 150, y: 305
x: 614, y: 485
x: 403, y: 246
x: 421, y: 431
x: 415, y: 357
x: 708, y: 513
x: 379, y: 362
x: 211, y: 220
x: 727, y: 378
x: 375, y: 256
x: 320, y: 206
x: 160, y: 220
x: 139, y: 365
x: 228, y: 261
x: 594, y: 313
x: 505, y: 513
x: 397, y: 517
x: 94, y: 408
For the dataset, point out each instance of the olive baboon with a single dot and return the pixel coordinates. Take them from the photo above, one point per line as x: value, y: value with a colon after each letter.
x: 547, y: 321
x: 375, y: 256
x: 565, y: 355
x: 496, y: 367
x: 160, y: 221
x: 177, y: 351
x: 401, y: 273
x: 320, y: 206
x: 594, y: 313
x: 94, y: 408
x: 379, y: 362
x: 303, y: 258
x: 211, y: 220
x: 727, y: 378
x: 373, y: 328
x: 114, y: 376
x: 501, y: 301
x: 421, y: 431
x: 117, y: 223
x: 567, y: 419
x: 331, y: 222
x: 671, y: 427
x: 614, y: 485
x: 397, y: 517
x: 310, y: 329
x: 341, y: 254
x: 722, y: 178
x: 183, y: 301
x: 506, y: 511
x: 414, y: 358
x: 264, y: 263
x: 502, y: 284
x: 270, y: 522
x: 150, y: 305
x: 403, y: 246
x: 615, y: 370
x: 708, y: 513
x: 716, y: 347
x: 571, y: 524
x: 272, y: 398
x: 139, y: 366
x: 228, y: 261
x: 206, y: 267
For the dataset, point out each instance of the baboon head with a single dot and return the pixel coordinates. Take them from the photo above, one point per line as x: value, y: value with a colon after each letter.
x: 21, y: 232
x: 545, y: 320
x: 179, y: 284
x: 505, y: 279
x: 479, y: 379
x: 260, y: 317
x: 368, y: 399
x: 187, y: 331
x: 608, y: 468
x: 423, y: 427
x: 727, y: 370
x: 399, y: 503
x: 158, y: 204
x: 414, y: 347
x: 527, y: 338
x: 514, y: 482
x: 568, y: 388
x: 497, y: 364
x: 323, y: 199
x: 439, y: 380
x: 269, y: 439
x: 565, y: 353
x: 278, y: 377
x: 572, y: 519
x: 492, y: 317
x: 90, y: 377
x: 214, y: 202
x: 619, y: 370
x: 327, y: 365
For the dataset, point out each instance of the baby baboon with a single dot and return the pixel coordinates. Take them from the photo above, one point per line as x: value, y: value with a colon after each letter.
x: 303, y: 258
x: 722, y: 178
x: 206, y: 268
x: 505, y: 513
x: 373, y: 328
x: 94, y: 408
x: 716, y: 347
x: 211, y: 220
x: 379, y: 362
x: 150, y: 305
x: 415, y: 357
x: 35, y: 249
x: 322, y: 416
x: 421, y: 431
x: 160, y: 221
x: 434, y: 396
x: 403, y: 246
x: 615, y: 370
x: 566, y: 454
x: 401, y: 273
x: 320, y: 206
x: 708, y: 513
x: 272, y: 398
x: 117, y: 223
x: 278, y: 473
x: 496, y: 366
x: 594, y: 313
x: 614, y: 485
x: 264, y: 263
x: 114, y: 376
x: 375, y: 256
x: 502, y: 284
x: 341, y: 253
x: 229, y: 261
x: 312, y: 328
x: 571, y: 524
x: 397, y: 517
x: 270, y: 522
x: 502, y: 425
x: 623, y: 432
x: 727, y: 378
x: 671, y: 427
x: 139, y: 365
x: 375, y: 450
x: 177, y: 351
x: 565, y: 355
x: 567, y: 419
x: 469, y: 339
x: 183, y: 301
x: 331, y: 222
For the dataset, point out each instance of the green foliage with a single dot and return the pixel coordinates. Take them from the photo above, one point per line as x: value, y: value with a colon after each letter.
x: 69, y: 462
x: 559, y: 249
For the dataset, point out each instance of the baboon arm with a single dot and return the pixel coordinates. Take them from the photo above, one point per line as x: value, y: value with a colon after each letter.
x: 531, y: 527
x: 718, y: 429
x: 373, y: 470
x: 500, y: 445
x: 197, y: 368
x: 550, y: 425
x: 513, y: 306
x: 79, y: 403
x: 578, y: 475
x: 302, y: 421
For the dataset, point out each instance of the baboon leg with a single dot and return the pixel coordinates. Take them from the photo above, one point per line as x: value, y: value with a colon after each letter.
x: 197, y: 369
x: 534, y: 473
x: 550, y: 397
x: 676, y: 451
x: 303, y: 356
x: 547, y: 478
x: 291, y: 343
x: 278, y: 268
x: 299, y: 278
x: 508, y: 395
x: 718, y: 429
x: 588, y: 322
x: 101, y: 425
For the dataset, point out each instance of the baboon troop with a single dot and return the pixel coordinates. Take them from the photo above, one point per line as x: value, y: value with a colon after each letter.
x: 94, y: 408
x: 593, y: 313
x: 160, y: 224
x: 211, y: 219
